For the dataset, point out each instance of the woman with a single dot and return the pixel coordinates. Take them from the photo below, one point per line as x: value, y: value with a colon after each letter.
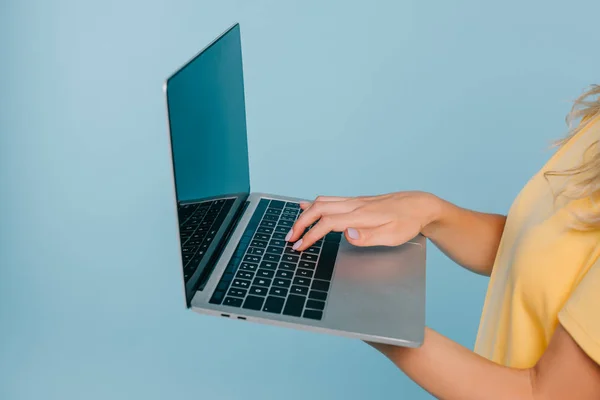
x: 539, y: 335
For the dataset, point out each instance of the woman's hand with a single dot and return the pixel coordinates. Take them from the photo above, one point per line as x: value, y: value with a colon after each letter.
x: 385, y: 220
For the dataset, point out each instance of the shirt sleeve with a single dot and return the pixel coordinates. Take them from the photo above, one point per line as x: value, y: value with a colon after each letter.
x: 581, y: 314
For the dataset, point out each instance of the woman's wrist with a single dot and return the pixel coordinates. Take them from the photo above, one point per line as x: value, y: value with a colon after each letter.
x: 433, y: 210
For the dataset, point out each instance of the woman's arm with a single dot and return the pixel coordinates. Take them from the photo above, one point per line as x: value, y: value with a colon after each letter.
x: 449, y: 371
x: 468, y: 237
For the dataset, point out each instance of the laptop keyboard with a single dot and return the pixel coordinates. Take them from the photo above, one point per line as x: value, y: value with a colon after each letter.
x: 266, y: 274
x: 199, y: 223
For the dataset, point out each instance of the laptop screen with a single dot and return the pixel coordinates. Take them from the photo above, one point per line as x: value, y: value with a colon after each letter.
x: 208, y: 123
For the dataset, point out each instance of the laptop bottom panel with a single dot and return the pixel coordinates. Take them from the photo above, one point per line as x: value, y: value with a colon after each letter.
x: 375, y: 294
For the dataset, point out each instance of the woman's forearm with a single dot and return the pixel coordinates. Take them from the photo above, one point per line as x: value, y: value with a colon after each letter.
x: 449, y: 371
x: 470, y: 238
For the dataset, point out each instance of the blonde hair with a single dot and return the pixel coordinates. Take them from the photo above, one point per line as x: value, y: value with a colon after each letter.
x: 583, y: 180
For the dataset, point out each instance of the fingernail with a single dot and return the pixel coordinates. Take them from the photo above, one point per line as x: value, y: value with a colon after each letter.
x: 297, y: 244
x: 352, y: 233
x: 289, y: 235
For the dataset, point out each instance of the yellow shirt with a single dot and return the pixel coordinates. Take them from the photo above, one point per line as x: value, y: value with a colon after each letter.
x: 543, y: 273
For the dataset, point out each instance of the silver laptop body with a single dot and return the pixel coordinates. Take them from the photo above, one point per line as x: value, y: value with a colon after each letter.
x: 234, y: 263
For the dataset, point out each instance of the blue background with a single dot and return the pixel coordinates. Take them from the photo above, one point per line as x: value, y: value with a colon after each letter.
x: 460, y: 98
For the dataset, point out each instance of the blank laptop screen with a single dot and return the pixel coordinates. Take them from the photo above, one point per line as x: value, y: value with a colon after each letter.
x: 207, y: 119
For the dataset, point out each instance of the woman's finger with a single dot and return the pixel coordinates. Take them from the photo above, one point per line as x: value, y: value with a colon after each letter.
x: 390, y: 233
x: 306, y: 204
x: 338, y: 223
x: 328, y: 223
x: 383, y: 235
x: 315, y: 212
x: 330, y: 198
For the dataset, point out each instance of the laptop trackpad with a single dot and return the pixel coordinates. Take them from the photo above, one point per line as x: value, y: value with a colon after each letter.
x: 379, y: 290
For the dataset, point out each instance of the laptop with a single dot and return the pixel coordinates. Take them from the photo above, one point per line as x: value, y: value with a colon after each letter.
x: 235, y: 262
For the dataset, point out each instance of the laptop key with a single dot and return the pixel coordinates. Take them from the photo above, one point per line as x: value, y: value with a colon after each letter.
x: 274, y: 304
x: 258, y: 243
x: 301, y: 281
x: 294, y: 305
x: 259, y: 291
x: 320, y: 285
x: 315, y: 304
x: 253, y: 302
x: 286, y: 266
x: 317, y: 295
x: 245, y: 275
x: 278, y: 291
x: 268, y: 265
x: 309, y: 257
x: 270, y: 217
x: 307, y: 265
x: 274, y: 250
x: 272, y: 257
x: 248, y: 266
x: 277, y: 204
x: 281, y: 282
x: 265, y: 273
x: 256, y: 251
x: 305, y: 273
x: 252, y: 258
x: 313, y: 250
x: 279, y: 236
x: 273, y: 211
x: 290, y: 250
x: 262, y: 236
x: 278, y: 243
x: 327, y: 261
x: 237, y: 292
x: 240, y: 283
x: 290, y: 258
x: 189, y: 270
x: 264, y: 230
x: 313, y: 314
x: 289, y: 224
x: 232, y: 302
x: 295, y: 289
x: 334, y: 237
x: 262, y: 282
x: 189, y: 249
x: 284, y: 274
x: 268, y: 224
x: 282, y: 229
